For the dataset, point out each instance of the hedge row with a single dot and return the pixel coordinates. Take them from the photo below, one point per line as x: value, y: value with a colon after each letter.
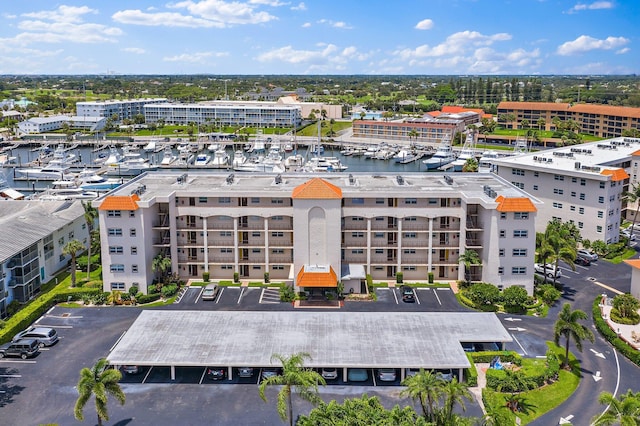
x: 496, y: 378
x: 606, y: 331
x: 148, y: 298
x: 41, y: 304
x: 488, y: 356
x: 471, y: 374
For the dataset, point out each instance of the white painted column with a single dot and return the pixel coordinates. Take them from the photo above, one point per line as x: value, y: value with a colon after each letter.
x: 368, y: 250
x: 236, y: 254
x: 266, y: 243
x: 430, y: 252
x: 399, y: 258
x: 206, y: 244
x: 173, y: 372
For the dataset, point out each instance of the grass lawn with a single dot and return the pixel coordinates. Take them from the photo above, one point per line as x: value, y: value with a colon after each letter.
x: 545, y: 399
x: 628, y: 253
x: 312, y: 129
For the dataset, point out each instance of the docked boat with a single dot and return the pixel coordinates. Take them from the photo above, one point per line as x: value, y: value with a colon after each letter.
x: 485, y: 164
x: 317, y: 150
x: 48, y: 172
x: 220, y: 159
x: 238, y: 159
x: 63, y: 194
x: 114, y: 157
x: 260, y: 164
x: 213, y: 147
x: 324, y: 164
x: 150, y: 147
x: 466, y: 153
x: 62, y: 157
x: 91, y: 181
x: 294, y: 161
x: 404, y: 156
x: 444, y: 155
x: 168, y: 157
x: 202, y: 160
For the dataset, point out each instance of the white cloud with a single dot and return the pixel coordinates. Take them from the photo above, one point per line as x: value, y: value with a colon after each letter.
x: 456, y: 43
x: 425, y: 24
x: 306, y: 25
x: 327, y: 57
x: 167, y: 19
x: 586, y: 43
x: 622, y: 51
x: 335, y: 24
x: 226, y: 13
x: 62, y: 14
x: 593, y: 6
x: 300, y: 6
x: 136, y: 50
x: 197, y: 57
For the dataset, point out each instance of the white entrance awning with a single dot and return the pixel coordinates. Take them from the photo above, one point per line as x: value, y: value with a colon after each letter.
x: 352, y: 271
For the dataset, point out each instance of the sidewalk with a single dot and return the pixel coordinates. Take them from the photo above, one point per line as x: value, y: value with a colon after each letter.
x: 476, y: 391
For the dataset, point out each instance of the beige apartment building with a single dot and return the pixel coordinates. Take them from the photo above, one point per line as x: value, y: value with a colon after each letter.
x: 317, y: 230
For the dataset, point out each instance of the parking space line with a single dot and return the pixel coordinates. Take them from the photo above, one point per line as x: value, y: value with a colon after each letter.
x: 199, y: 294
x: 439, y: 302
x: 202, y: 377
x: 444, y: 288
x: 261, y: 295
x: 373, y: 376
x: 242, y: 294
x: 395, y: 296
x: 219, y: 295
x: 10, y: 376
x: 416, y: 295
x: 55, y: 326
x: 518, y: 342
x: 147, y: 375
x: 23, y: 361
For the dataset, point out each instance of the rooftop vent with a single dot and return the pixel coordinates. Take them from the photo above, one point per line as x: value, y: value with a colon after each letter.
x: 352, y: 180
x: 230, y: 179
x: 139, y: 190
x: 489, y: 191
x: 448, y: 179
x: 278, y: 179
x: 400, y: 180
x: 182, y: 178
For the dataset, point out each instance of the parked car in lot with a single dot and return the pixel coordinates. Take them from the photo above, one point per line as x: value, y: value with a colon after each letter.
x: 387, y: 374
x: 587, y: 254
x: 408, y: 295
x: 43, y: 335
x: 25, y: 348
x: 245, y: 372
x: 216, y: 373
x: 583, y: 261
x: 210, y: 292
x: 626, y: 232
x: 270, y: 372
x: 444, y: 374
x: 131, y: 369
x: 408, y: 372
x: 468, y: 347
x: 329, y: 373
x: 357, y: 375
x: 550, y: 270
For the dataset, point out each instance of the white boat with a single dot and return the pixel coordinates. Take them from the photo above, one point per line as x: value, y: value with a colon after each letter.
x: 443, y: 155
x: 220, y: 159
x: 131, y: 166
x: 324, y: 164
x: 202, y: 160
x: 370, y: 152
x: 467, y: 152
x: 62, y: 157
x: 150, y: 147
x: 260, y: 164
x: 63, y: 194
x: 404, y: 156
x: 485, y: 164
x: 185, y: 158
x: 168, y: 157
x: 288, y: 147
x: 238, y: 159
x: 294, y: 161
x: 213, y: 147
x: 114, y: 157
x: 48, y: 172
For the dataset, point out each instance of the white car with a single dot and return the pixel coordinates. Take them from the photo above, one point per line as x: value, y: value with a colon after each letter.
x: 587, y: 254
x: 548, y: 269
x: 627, y: 234
x: 330, y: 373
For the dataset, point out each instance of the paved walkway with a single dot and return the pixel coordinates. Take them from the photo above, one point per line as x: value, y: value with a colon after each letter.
x: 476, y: 391
x: 628, y: 333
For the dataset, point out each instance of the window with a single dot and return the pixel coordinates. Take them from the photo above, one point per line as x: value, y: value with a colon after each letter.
x: 518, y: 270
x: 410, y: 235
x: 517, y: 172
x: 558, y: 177
x: 535, y: 187
x: 255, y: 234
x: 601, y: 200
x: 519, y: 253
x: 520, y: 233
x: 61, y: 241
x: 226, y: 267
x: 503, y: 233
x: 255, y: 200
x: 357, y: 234
x: 583, y: 182
x: 378, y: 235
x: 581, y: 210
x: 572, y: 208
x: 357, y: 219
x: 116, y: 267
x: 521, y: 215
x: 602, y: 184
x: 580, y: 225
x: 256, y: 267
x: 114, y: 232
x: 574, y: 179
x: 277, y: 218
x: 503, y: 215
x: 411, y: 201
x: 379, y: 200
x: 277, y: 234
x: 409, y: 251
x: 357, y: 251
x: 134, y: 269
x: 598, y: 228
x: 573, y: 193
x: 518, y: 184
x: 501, y: 252
x: 278, y: 267
x: 226, y: 250
x: 71, y: 235
x: 114, y: 213
x: 115, y: 250
x: 357, y: 201
x: 501, y: 270
x: 255, y: 250
x: 277, y: 201
x: 557, y: 205
x: 132, y: 232
x: 600, y: 214
x: 408, y: 268
x: 225, y: 233
x: 134, y: 251
x: 379, y: 251
x: 224, y: 200
x: 117, y: 286
x: 410, y: 219
x: 277, y: 251
x: 132, y: 213
x: 558, y: 191
x: 582, y: 196
x: 536, y: 174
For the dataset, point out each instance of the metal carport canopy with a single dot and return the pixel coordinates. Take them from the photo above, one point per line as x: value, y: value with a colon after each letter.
x: 333, y: 339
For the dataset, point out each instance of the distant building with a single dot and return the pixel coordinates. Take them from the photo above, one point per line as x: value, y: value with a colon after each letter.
x: 278, y: 92
x: 427, y: 130
x: 314, y: 232
x: 118, y: 109
x: 50, y: 124
x: 33, y: 236
x: 605, y: 121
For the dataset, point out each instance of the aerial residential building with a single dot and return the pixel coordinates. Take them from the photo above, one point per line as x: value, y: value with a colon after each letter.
x: 115, y: 109
x: 49, y: 124
x: 420, y: 130
x: 226, y: 113
x: 317, y: 231
x: 606, y: 121
x: 584, y: 184
x: 33, y: 236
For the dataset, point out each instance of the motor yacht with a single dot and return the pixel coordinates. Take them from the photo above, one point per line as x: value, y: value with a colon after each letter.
x: 443, y: 155
x: 220, y: 159
x: 202, y: 160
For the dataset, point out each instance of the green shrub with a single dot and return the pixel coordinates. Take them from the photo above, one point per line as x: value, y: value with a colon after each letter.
x: 287, y: 293
x: 236, y: 277
x: 483, y: 294
x: 548, y: 293
x: 133, y: 290
x: 205, y: 277
x: 169, y: 290
x: 470, y: 374
x: 631, y: 318
x: 601, y: 325
x: 266, y: 277
x: 514, y: 299
x: 487, y: 356
x: 430, y: 277
x: 399, y: 277
x: 148, y: 298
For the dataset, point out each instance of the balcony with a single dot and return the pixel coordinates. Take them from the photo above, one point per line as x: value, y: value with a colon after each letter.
x: 439, y: 227
x: 473, y: 242
x: 355, y: 243
x: 416, y: 242
x: 350, y: 225
x: 220, y: 225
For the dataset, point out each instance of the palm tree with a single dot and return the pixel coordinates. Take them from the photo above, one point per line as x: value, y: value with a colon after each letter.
x: 469, y: 258
x: 72, y: 248
x: 425, y: 387
x: 161, y: 264
x: 455, y: 393
x: 633, y: 196
x: 541, y: 123
x: 568, y: 326
x: 294, y: 377
x: 99, y: 381
x: 623, y: 411
x: 561, y: 244
x: 90, y: 215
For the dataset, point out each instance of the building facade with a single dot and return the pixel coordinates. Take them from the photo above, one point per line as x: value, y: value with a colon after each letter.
x: 315, y: 232
x: 34, y: 235
x: 584, y: 184
x: 420, y: 130
x: 227, y: 113
x: 605, y: 121
x: 49, y: 124
x: 116, y: 109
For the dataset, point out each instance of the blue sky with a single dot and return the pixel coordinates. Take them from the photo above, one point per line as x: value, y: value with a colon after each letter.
x: 320, y: 37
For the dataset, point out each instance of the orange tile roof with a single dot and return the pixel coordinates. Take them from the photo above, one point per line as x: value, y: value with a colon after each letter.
x: 434, y: 113
x: 633, y: 262
x: 120, y: 202
x: 317, y: 279
x: 616, y: 174
x: 538, y: 106
x: 619, y: 111
x: 634, y: 153
x: 317, y: 189
x: 452, y: 109
x: 515, y: 204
